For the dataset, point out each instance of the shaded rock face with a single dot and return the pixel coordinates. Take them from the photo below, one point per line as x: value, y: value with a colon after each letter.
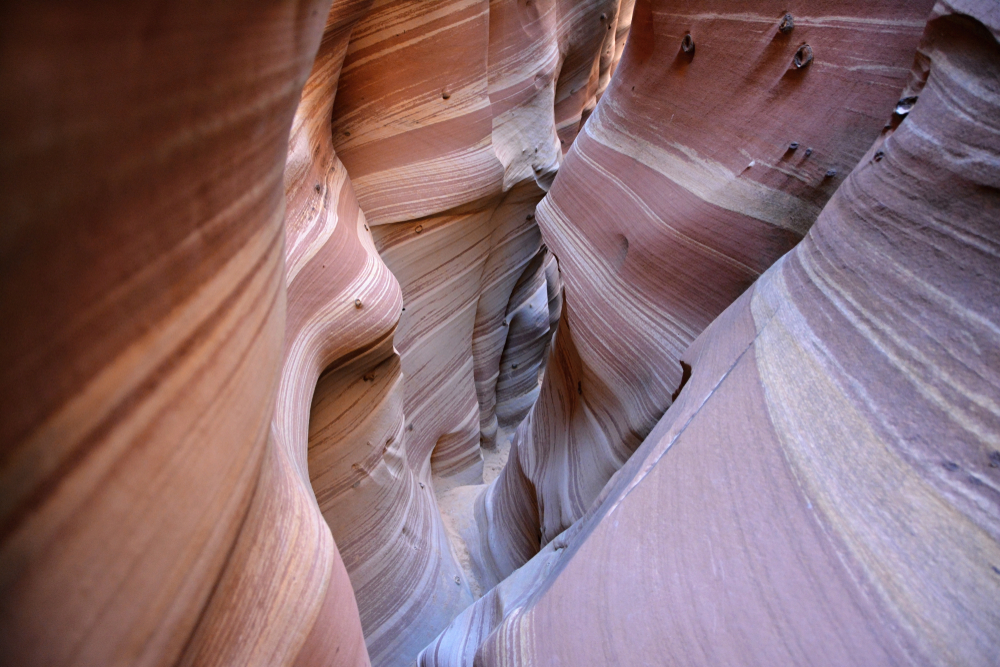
x: 143, y: 305
x: 823, y: 489
x: 697, y: 171
x: 460, y: 332
x: 427, y: 122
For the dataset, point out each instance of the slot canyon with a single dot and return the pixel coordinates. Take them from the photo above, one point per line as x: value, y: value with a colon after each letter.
x: 499, y: 333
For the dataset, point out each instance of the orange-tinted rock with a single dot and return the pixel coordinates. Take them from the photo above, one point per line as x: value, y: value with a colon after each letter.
x: 413, y: 123
x: 142, y: 308
x: 286, y: 563
x: 445, y: 117
x: 824, y: 488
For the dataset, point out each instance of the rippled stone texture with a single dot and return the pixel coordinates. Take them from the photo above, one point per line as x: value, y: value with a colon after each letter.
x: 228, y: 441
x: 286, y: 560
x: 168, y: 141
x: 142, y: 310
x: 682, y: 188
x: 824, y: 489
x: 446, y: 118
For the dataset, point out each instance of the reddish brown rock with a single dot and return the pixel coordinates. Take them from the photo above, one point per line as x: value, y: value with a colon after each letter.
x: 286, y: 563
x: 683, y: 187
x: 142, y: 308
x: 446, y: 116
x: 824, y: 489
x: 462, y: 251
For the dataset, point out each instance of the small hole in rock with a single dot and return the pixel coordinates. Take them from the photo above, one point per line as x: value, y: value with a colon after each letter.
x: 905, y: 106
x: 803, y: 56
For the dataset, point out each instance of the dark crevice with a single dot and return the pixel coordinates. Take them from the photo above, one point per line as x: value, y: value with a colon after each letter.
x: 685, y: 376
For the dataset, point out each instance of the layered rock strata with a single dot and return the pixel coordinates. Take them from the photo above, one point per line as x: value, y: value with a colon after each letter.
x: 446, y: 118
x: 709, y: 156
x: 825, y: 487
x: 286, y: 561
x: 184, y: 185
x: 143, y: 312
x: 415, y: 124
x: 235, y: 404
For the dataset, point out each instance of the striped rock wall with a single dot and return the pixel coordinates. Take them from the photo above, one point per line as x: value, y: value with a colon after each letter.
x: 260, y: 321
x: 824, y: 490
x: 446, y: 119
x: 286, y: 563
x: 696, y: 172
x: 414, y: 124
x: 143, y: 308
x: 141, y: 458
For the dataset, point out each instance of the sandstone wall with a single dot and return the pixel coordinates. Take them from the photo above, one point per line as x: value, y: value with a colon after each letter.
x: 824, y: 488
x: 156, y: 511
x: 143, y: 311
x: 696, y: 172
x: 269, y: 330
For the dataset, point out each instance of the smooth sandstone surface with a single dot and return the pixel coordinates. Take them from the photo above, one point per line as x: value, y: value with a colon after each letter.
x: 285, y: 585
x: 682, y: 188
x: 414, y: 125
x: 143, y: 310
x: 824, y: 488
x: 499, y: 332
x: 250, y: 552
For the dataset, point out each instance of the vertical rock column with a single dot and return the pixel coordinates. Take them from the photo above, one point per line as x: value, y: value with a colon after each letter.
x: 445, y: 120
x: 412, y: 125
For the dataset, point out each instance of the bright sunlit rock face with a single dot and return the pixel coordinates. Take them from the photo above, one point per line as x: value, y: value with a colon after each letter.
x: 510, y: 332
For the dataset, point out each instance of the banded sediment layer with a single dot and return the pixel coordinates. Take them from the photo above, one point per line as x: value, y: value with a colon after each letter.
x: 500, y: 332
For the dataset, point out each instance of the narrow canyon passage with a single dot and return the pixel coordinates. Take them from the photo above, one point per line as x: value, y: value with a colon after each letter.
x: 500, y: 332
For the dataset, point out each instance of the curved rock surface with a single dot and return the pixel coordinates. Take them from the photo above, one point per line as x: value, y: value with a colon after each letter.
x: 268, y: 330
x: 825, y: 487
x: 286, y: 562
x: 142, y: 309
x: 445, y: 152
x: 169, y: 201
x: 414, y: 125
x: 696, y: 172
